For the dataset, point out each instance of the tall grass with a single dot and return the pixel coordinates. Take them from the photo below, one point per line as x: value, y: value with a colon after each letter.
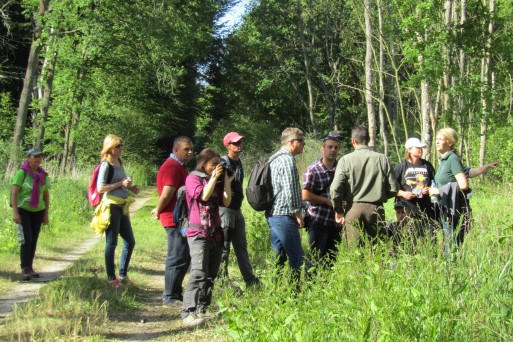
x: 375, y: 296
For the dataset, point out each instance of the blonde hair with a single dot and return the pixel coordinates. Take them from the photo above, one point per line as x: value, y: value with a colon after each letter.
x: 109, y: 142
x: 290, y: 133
x: 450, y: 135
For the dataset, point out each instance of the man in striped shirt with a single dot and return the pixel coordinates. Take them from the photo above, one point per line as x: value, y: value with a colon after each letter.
x: 285, y: 216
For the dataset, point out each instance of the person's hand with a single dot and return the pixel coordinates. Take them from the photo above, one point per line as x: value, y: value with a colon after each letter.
x: 434, y: 191
x: 228, y: 179
x: 328, y: 202
x: 493, y: 165
x: 154, y: 213
x: 407, y: 195
x: 425, y: 190
x: 127, y: 183
x: 135, y: 189
x: 16, y: 218
x: 340, y: 218
x: 300, y: 221
x: 218, y: 171
x: 45, y: 218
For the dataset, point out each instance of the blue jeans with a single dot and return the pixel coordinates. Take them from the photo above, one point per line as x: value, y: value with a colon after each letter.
x: 31, y: 222
x: 178, y: 260
x: 205, y: 262
x: 286, y: 241
x: 119, y: 225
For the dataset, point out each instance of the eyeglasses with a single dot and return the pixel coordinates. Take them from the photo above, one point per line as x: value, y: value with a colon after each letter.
x: 37, y: 156
x: 302, y: 140
x: 119, y: 146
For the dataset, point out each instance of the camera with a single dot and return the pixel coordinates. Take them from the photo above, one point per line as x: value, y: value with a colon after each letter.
x: 227, y: 167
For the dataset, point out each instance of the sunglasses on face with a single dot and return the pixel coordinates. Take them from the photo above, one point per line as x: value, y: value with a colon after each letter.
x: 238, y: 143
x: 119, y: 146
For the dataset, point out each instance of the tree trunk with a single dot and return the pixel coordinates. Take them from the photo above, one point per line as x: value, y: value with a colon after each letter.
x: 381, y: 73
x: 371, y: 114
x: 426, y: 116
x: 28, y: 84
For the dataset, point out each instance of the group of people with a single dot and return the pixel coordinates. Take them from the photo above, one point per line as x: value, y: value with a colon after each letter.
x: 347, y: 192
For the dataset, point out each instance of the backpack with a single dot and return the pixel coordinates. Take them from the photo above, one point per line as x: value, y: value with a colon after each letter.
x: 259, y: 192
x: 181, y: 210
x: 93, y: 195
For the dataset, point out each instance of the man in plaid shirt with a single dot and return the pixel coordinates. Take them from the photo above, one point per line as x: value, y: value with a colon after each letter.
x: 285, y: 216
x: 324, y: 233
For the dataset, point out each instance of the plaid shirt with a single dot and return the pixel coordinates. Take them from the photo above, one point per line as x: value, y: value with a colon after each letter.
x: 286, y: 187
x: 317, y: 179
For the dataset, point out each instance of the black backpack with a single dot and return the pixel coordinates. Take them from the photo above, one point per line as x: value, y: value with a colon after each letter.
x: 259, y: 192
x: 181, y: 211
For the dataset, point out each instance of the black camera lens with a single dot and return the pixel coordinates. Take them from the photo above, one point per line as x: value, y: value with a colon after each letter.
x: 227, y: 167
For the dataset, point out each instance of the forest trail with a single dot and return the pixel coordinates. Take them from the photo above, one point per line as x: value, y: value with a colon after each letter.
x: 25, y: 291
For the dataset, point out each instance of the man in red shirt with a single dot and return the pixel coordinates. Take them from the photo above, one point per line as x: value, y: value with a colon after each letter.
x: 170, y: 178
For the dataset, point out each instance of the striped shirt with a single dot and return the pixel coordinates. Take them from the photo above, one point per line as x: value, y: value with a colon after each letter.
x: 286, y: 185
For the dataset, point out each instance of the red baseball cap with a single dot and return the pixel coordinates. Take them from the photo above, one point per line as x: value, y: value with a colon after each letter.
x: 232, y: 137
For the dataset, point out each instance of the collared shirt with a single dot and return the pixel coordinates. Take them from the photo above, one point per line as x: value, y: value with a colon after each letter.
x: 172, y: 156
x: 286, y: 187
x: 450, y: 166
x: 317, y: 179
x: 362, y: 176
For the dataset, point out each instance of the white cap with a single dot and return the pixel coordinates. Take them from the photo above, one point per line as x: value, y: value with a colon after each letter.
x: 414, y: 142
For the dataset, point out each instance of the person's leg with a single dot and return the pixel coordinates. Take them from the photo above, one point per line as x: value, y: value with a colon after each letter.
x: 36, y: 220
x: 198, y: 276
x: 240, y: 247
x: 25, y: 248
x: 281, y: 256
x: 214, y: 252
x: 334, y: 236
x: 111, y: 240
x: 287, y: 231
x: 353, y: 225
x: 177, y: 262
x: 373, y: 221
x: 317, y: 239
x: 227, y: 222
x: 127, y: 234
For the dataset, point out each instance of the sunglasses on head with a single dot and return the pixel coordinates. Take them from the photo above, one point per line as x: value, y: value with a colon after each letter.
x: 333, y: 135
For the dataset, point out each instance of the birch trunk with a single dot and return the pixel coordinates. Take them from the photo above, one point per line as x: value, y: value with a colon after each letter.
x: 371, y: 114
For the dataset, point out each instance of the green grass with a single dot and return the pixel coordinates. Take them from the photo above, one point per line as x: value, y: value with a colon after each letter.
x: 368, y: 295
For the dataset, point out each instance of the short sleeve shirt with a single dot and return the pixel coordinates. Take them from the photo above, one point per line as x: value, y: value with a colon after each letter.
x: 118, y: 175
x: 414, y: 178
x: 450, y: 166
x: 172, y: 174
x: 26, y: 182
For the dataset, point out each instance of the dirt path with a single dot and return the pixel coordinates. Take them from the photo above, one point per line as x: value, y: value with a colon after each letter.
x: 25, y: 291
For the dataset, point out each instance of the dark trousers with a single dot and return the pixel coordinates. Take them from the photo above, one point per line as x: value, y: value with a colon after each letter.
x: 234, y: 230
x: 205, y: 261
x: 364, y: 218
x: 119, y: 225
x: 323, y: 241
x: 178, y: 260
x: 31, y: 222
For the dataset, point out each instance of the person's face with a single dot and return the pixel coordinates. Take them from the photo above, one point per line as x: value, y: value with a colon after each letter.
x: 416, y: 152
x: 236, y: 147
x: 330, y: 149
x: 442, y: 145
x: 35, y: 161
x: 211, y: 164
x: 184, y: 152
x: 298, y: 144
x: 400, y: 213
x: 117, y: 150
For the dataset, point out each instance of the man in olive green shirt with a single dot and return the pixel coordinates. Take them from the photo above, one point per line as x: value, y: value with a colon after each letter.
x: 363, y: 180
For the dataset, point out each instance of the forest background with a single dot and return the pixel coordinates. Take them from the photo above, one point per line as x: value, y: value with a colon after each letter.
x: 73, y: 71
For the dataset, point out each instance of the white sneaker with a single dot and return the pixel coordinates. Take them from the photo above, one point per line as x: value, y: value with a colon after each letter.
x: 192, y: 320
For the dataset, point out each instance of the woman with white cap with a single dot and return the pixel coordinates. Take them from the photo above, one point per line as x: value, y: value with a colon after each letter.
x: 414, y: 176
x: 30, y: 202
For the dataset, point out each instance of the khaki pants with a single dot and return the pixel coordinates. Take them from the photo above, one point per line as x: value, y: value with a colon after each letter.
x: 364, y: 218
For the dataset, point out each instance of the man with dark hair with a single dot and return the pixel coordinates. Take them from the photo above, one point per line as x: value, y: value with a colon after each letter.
x: 285, y: 217
x: 324, y: 233
x: 364, y: 180
x: 234, y: 225
x: 170, y: 178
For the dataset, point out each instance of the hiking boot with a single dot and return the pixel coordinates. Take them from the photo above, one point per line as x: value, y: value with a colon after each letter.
x: 33, y: 274
x: 126, y: 281
x: 256, y: 283
x: 116, y: 283
x: 192, y: 320
x: 25, y: 274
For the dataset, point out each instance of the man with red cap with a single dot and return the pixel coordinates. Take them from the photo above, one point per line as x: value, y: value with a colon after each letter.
x: 234, y: 225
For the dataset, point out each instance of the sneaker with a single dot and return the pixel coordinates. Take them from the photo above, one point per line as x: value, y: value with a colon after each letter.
x: 116, y: 283
x: 33, y: 274
x: 126, y: 281
x: 203, y: 312
x: 192, y: 320
x: 172, y: 302
x: 25, y: 274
